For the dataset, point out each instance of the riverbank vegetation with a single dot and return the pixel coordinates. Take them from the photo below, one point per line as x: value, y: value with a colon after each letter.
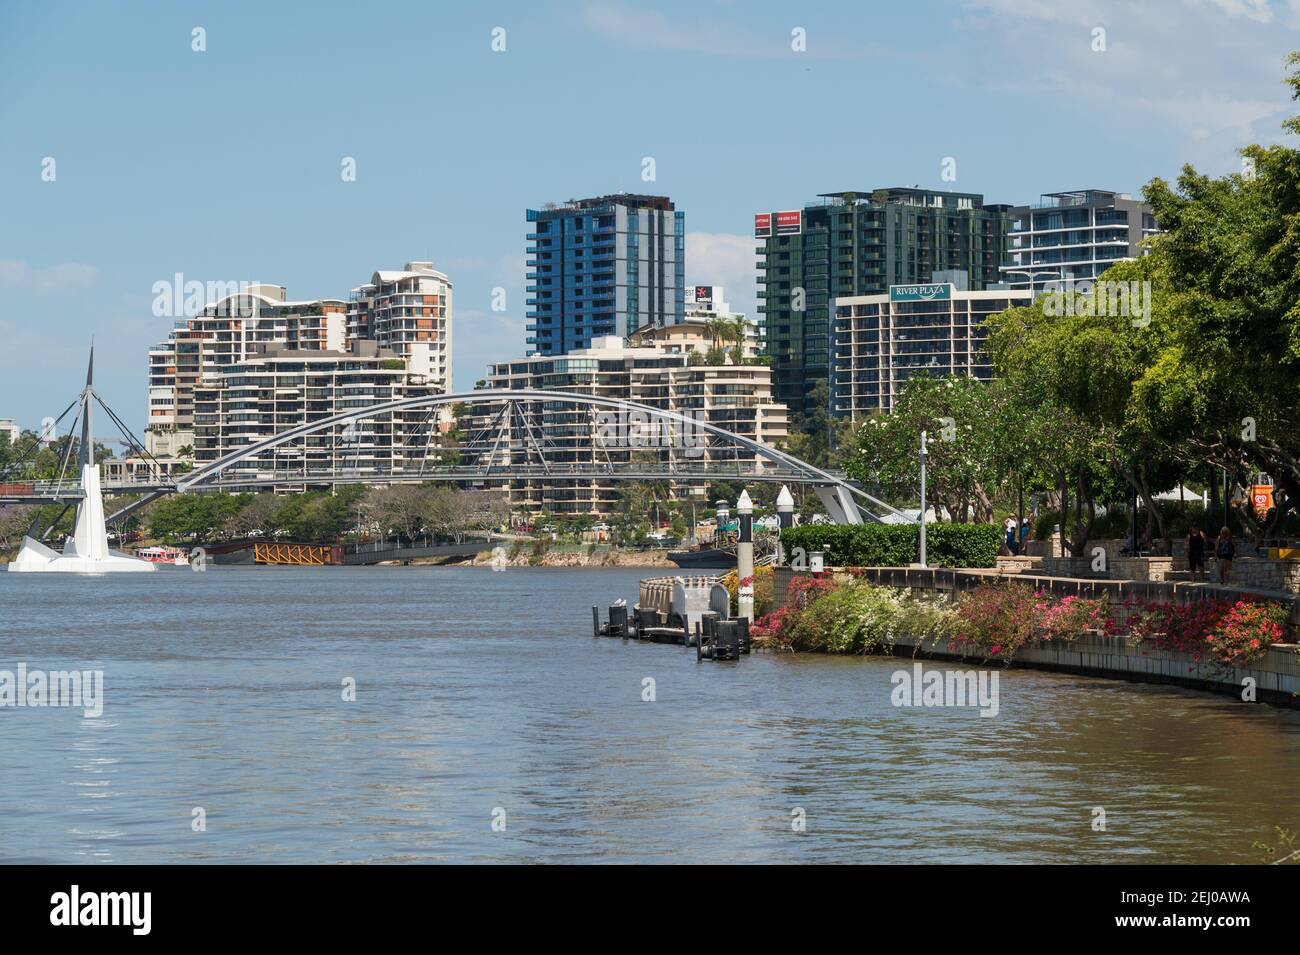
x: 991, y: 623
x: 400, y: 513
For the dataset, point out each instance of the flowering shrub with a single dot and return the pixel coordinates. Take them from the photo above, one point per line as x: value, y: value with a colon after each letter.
x: 1233, y: 634
x: 995, y: 620
x: 822, y: 616
x: 1245, y: 631
x: 761, y: 581
x: 862, y: 618
x: 1067, y: 618
x: 773, y: 630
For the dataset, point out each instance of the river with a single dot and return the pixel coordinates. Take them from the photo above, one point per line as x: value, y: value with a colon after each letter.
x: 489, y: 726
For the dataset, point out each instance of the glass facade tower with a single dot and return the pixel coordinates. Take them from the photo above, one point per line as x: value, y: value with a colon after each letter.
x: 860, y: 244
x: 603, y: 266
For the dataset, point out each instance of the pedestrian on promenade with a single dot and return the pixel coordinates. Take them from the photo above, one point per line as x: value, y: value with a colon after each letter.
x: 1009, y: 531
x: 1196, y: 553
x: 1024, y: 532
x: 1224, y: 551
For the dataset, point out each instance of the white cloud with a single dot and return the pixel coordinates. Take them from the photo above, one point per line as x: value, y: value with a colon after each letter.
x: 720, y: 258
x: 653, y: 29
x: 1257, y: 10
x: 650, y: 28
x: 1205, y: 74
x: 50, y: 280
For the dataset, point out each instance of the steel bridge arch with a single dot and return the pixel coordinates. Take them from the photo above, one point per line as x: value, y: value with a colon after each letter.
x: 841, y: 492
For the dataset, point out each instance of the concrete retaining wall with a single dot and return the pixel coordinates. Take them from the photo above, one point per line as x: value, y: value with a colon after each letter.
x: 1276, y: 674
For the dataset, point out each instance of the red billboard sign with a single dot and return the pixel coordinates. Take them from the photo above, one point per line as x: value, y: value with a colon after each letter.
x: 762, y: 224
x: 788, y: 223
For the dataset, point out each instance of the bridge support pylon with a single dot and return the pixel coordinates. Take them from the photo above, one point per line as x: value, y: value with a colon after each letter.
x: 839, y: 503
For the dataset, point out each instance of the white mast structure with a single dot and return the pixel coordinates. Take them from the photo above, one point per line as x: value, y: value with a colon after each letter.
x: 86, y: 551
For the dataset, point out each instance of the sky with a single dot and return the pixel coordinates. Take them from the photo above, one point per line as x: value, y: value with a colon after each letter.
x: 226, y: 164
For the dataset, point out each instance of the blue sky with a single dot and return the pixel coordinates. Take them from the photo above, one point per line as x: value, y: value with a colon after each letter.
x: 224, y: 165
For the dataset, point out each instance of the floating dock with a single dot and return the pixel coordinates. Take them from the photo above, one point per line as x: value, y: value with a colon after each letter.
x: 687, y: 611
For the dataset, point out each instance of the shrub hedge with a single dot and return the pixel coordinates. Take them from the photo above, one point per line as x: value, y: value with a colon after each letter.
x: 896, y: 545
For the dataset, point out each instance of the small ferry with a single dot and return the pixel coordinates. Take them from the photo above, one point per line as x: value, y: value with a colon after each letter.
x: 709, y: 558
x: 176, y: 556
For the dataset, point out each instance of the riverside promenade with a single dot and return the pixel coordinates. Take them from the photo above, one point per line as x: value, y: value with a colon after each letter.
x: 1276, y: 674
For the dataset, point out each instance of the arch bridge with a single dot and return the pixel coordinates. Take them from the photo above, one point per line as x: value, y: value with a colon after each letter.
x: 529, y: 438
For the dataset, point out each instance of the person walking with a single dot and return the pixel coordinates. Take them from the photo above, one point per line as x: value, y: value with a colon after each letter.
x: 1196, y: 553
x: 1009, y: 532
x: 1224, y: 551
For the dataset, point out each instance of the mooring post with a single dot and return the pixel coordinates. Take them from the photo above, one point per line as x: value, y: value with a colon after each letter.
x: 595, y: 621
x: 745, y: 557
x: 785, y: 517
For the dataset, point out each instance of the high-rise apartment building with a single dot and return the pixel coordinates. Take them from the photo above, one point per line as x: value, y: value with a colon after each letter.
x: 736, y: 398
x: 278, y: 388
x: 1074, y: 236
x: 603, y: 266
x: 859, y: 244
x: 409, y: 312
x: 935, y: 329
x: 225, y: 333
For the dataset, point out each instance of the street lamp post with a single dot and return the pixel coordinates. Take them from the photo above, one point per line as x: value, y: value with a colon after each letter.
x: 924, y: 454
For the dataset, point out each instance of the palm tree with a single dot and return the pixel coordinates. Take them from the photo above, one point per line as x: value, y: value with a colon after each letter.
x: 720, y: 329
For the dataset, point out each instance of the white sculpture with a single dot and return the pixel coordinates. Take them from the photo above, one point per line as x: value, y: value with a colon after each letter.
x: 86, y: 551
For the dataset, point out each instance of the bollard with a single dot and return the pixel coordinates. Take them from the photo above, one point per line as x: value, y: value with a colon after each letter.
x: 595, y: 622
x: 618, y: 621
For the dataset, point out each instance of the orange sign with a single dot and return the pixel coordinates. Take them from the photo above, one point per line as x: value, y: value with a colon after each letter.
x: 1261, y: 495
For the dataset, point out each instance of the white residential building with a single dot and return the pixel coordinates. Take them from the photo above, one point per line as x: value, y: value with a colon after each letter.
x: 662, y: 375
x: 409, y: 312
x: 935, y: 329
x: 224, y: 333
x: 280, y: 388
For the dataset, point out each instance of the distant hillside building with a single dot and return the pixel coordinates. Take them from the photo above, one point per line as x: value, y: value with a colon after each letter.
x: 224, y: 333
x: 409, y: 312
x: 279, y: 389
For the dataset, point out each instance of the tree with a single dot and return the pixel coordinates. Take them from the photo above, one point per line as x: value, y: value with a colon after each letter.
x: 402, y: 508
x: 14, y: 522
x: 1073, y: 360
x: 192, y: 517
x: 817, y: 437
x: 1226, y: 389
x: 255, y: 519
x: 971, y: 439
